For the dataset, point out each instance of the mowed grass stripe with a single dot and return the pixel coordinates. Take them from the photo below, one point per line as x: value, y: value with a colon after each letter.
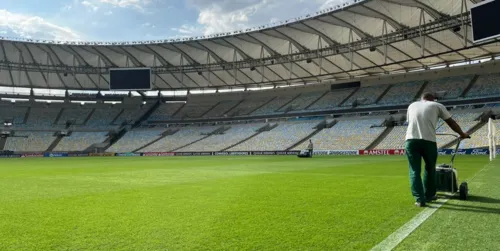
x: 270, y: 203
x: 464, y: 225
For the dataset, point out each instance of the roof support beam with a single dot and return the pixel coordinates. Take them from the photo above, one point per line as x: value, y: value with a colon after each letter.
x: 363, y: 35
x: 8, y: 65
x: 267, y: 48
x: 246, y: 57
x: 21, y: 59
x: 218, y: 59
x: 434, y: 14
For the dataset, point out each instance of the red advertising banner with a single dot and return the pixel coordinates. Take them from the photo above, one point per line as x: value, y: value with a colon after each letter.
x: 382, y: 152
x: 31, y: 155
x: 158, y: 154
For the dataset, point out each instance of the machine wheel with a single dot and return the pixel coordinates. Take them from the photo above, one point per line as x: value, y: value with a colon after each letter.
x: 464, y: 191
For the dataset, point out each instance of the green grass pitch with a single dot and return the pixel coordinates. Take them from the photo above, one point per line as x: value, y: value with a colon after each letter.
x: 208, y: 203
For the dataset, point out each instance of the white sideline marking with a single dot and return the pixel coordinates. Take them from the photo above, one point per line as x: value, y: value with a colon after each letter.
x: 397, y: 237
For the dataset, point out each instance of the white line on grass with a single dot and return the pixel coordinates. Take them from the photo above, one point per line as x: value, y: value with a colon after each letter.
x: 397, y: 237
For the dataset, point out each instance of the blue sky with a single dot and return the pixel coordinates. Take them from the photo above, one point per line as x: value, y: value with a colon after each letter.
x: 128, y: 20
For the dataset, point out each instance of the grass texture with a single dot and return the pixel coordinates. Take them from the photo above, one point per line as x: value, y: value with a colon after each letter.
x: 215, y: 203
x: 473, y: 224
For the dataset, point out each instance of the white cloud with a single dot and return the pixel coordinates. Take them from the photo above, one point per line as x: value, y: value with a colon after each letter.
x: 188, y: 29
x: 136, y: 4
x: 107, y: 13
x: 34, y: 27
x: 90, y: 5
x: 148, y: 25
x: 226, y: 15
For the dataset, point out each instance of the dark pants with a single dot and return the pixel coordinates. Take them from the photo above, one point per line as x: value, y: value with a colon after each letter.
x: 416, y: 150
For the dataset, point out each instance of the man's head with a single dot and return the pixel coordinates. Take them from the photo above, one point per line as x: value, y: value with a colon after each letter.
x: 428, y: 96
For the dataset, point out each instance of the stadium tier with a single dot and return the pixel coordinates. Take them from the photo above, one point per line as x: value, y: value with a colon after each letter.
x: 403, y: 93
x: 302, y: 101
x: 275, y: 104
x: 395, y: 139
x: 282, y: 137
x: 219, y: 142
x: 134, y: 140
x: 350, y: 131
x: 165, y: 111
x: 41, y: 118
x: 79, y: 141
x: 102, y: 118
x: 452, y: 87
x: 486, y: 86
x: 181, y: 138
x: 29, y: 141
x: 13, y: 114
x: 330, y: 100
x: 77, y: 116
x: 347, y: 135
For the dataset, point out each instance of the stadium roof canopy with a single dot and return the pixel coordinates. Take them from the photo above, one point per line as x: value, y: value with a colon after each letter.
x: 357, y: 39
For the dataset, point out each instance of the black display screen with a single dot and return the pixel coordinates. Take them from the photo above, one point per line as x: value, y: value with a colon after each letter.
x: 485, y: 20
x: 130, y: 79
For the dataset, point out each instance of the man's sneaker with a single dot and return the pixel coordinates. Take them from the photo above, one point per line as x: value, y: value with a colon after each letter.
x: 419, y: 204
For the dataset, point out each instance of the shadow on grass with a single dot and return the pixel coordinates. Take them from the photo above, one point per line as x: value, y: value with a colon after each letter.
x: 482, y: 199
x: 473, y: 205
x: 471, y: 209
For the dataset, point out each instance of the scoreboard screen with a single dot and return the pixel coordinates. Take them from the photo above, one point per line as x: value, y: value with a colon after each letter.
x: 485, y: 20
x: 130, y: 79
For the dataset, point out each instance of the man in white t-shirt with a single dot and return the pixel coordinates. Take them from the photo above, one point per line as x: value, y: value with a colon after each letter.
x: 422, y: 117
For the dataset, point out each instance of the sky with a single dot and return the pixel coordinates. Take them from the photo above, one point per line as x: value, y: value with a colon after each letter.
x: 140, y: 20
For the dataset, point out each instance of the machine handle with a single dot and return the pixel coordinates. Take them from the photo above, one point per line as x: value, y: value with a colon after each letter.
x: 458, y: 143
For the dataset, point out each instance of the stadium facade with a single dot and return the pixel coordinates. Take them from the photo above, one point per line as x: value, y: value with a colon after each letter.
x: 342, y: 77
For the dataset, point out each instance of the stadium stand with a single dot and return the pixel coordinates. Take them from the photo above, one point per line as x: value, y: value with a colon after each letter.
x: 78, y: 115
x: 41, y: 118
x: 79, y: 141
x: 132, y: 114
x: 366, y: 95
x: 222, y: 108
x: 452, y: 86
x: 182, y: 138
x: 402, y: 93
x: 486, y: 86
x: 134, y: 140
x: 102, y: 118
x: 395, y: 139
x: 218, y: 142
x: 30, y: 141
x: 331, y: 100
x: 249, y: 105
x: 165, y: 111
x: 346, y: 135
x: 195, y: 109
x: 274, y: 105
x: 302, y: 101
x: 280, y: 138
x: 13, y: 114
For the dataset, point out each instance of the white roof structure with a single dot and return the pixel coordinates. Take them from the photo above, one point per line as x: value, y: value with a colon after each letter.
x: 360, y: 38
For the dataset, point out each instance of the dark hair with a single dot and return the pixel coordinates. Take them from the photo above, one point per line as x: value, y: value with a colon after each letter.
x: 428, y: 96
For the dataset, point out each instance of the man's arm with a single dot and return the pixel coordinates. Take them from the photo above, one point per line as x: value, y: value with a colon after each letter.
x: 455, y: 127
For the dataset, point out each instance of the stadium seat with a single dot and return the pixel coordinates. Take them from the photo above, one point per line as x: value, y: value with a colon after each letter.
x: 346, y: 135
x: 279, y: 138
x: 135, y: 139
x: 30, y: 141
x: 79, y: 141
x: 219, y: 142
